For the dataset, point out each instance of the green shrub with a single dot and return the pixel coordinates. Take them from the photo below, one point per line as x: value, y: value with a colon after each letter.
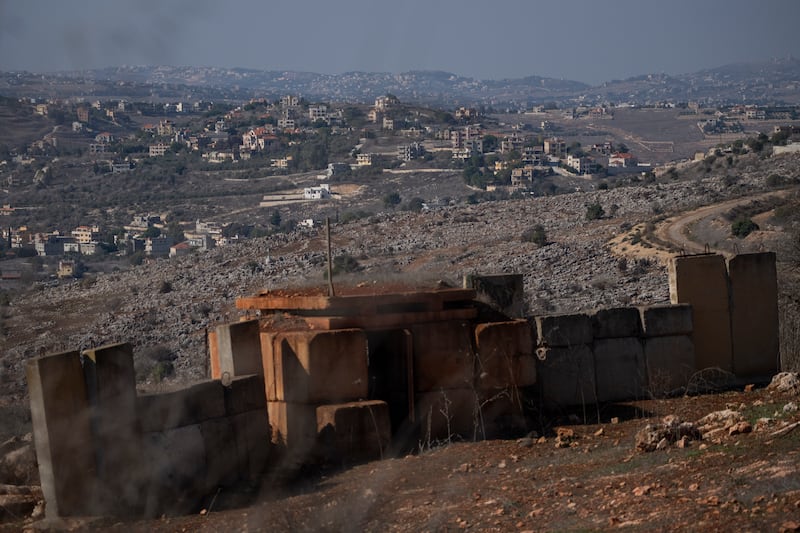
x: 743, y: 227
x: 536, y: 235
x: 595, y: 211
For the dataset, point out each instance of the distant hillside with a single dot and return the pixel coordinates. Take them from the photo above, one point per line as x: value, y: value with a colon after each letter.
x: 772, y: 82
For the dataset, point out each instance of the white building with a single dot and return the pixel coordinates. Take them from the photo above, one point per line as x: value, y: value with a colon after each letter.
x: 317, y: 193
x: 319, y: 112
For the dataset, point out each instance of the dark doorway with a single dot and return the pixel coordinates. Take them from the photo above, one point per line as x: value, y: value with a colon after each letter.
x: 391, y: 374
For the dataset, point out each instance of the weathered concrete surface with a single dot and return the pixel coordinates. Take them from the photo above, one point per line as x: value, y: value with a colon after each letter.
x: 245, y: 393
x: 670, y: 363
x: 564, y: 330
x: 617, y: 322
x: 354, y: 431
x: 315, y: 367
x: 443, y: 356
x: 294, y: 431
x: 111, y: 385
x: 619, y: 369
x: 192, y: 405
x: 503, y: 292
x: 270, y: 364
x: 62, y: 435
x: 566, y: 376
x: 441, y: 415
x: 251, y: 431
x: 238, y: 348
x: 504, y: 355
x: 500, y: 413
x: 702, y: 280
x: 754, y: 314
x: 176, y: 461
x: 221, y: 457
x: 667, y: 320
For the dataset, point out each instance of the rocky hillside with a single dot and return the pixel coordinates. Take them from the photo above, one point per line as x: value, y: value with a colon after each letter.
x: 164, y: 308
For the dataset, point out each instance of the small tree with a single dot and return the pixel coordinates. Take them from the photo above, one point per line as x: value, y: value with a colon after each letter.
x: 594, y: 211
x: 415, y: 204
x: 275, y: 219
x: 391, y: 199
x: 536, y: 235
x: 743, y: 227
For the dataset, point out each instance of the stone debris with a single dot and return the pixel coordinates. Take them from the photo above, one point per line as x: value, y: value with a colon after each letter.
x: 660, y: 436
x: 18, y: 461
x: 565, y: 438
x: 788, y: 382
x: 790, y: 407
x: 763, y: 423
x: 740, y: 428
x: 719, y: 419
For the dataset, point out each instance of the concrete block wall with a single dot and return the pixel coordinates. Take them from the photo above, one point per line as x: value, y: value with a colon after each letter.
x: 308, y: 375
x: 735, y: 307
x: 754, y: 314
x: 668, y: 347
x: 62, y: 434
x: 702, y: 281
x: 104, y: 450
x: 613, y: 354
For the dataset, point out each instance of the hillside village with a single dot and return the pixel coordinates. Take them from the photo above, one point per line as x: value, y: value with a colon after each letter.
x: 145, y: 223
x: 333, y: 144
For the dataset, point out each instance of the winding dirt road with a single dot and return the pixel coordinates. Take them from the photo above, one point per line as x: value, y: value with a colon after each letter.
x: 675, y: 229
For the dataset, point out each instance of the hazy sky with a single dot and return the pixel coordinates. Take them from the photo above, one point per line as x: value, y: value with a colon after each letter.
x: 584, y: 40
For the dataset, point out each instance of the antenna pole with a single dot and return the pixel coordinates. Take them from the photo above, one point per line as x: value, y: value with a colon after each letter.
x: 331, y: 291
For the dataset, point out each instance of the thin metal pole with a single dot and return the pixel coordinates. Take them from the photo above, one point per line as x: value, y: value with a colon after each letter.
x: 331, y: 292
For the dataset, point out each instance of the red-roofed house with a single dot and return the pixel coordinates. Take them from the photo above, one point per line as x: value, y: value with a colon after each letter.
x: 622, y: 160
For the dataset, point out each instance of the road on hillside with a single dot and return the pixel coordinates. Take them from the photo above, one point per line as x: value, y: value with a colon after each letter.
x: 675, y: 229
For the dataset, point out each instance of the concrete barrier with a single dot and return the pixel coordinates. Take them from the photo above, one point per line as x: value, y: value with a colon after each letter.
x: 319, y: 367
x: 251, y: 432
x: 567, y: 376
x: 619, y: 369
x: 238, y: 348
x: 294, y: 431
x: 62, y: 434
x: 244, y: 393
x: 702, y: 280
x: 667, y: 320
x: 443, y: 356
x: 564, y: 330
x: 358, y: 431
x: 754, y: 314
x: 184, y: 407
x: 111, y: 387
x: 504, y: 355
x: 616, y: 322
x: 445, y: 414
x: 177, y: 474
x: 503, y: 292
x: 670, y: 363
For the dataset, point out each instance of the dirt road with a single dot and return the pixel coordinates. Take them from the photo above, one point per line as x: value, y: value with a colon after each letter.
x: 677, y: 229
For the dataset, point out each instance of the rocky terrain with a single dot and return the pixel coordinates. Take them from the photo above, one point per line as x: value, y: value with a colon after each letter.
x: 165, y: 307
x: 599, y: 473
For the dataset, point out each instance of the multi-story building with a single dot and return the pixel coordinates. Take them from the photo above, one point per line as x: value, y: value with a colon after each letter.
x: 318, y: 112
x: 157, y: 246
x: 165, y: 127
x: 622, y: 160
x: 83, y: 114
x: 555, y: 146
x: 85, y: 234
x: 159, y: 149
x: 408, y: 152
x: 578, y: 164
x: 363, y: 160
